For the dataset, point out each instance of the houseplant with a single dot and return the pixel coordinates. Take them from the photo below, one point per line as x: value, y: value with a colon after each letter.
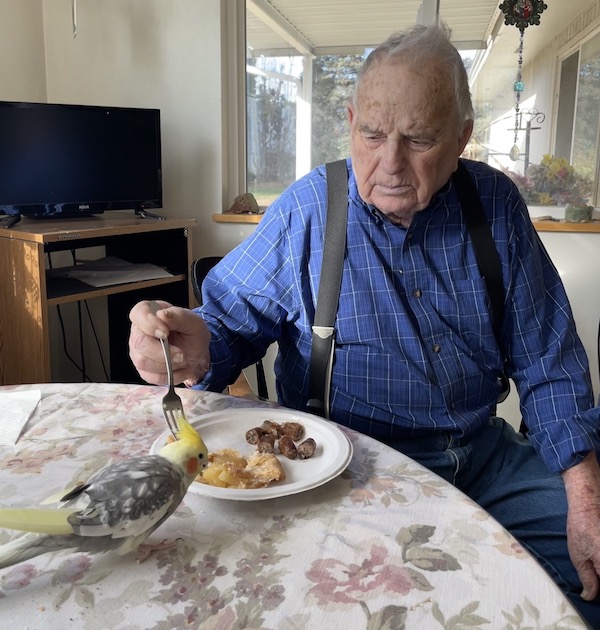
x: 554, y: 182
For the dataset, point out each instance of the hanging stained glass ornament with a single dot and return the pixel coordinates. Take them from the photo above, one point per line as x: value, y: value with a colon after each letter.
x: 521, y: 13
x: 74, y: 17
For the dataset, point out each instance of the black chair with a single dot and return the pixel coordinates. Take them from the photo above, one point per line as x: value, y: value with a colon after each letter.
x: 198, y: 272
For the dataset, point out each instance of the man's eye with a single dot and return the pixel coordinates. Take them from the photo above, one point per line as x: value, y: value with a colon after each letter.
x: 419, y: 145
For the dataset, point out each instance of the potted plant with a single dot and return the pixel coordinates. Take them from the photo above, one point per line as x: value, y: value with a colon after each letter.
x: 554, y: 182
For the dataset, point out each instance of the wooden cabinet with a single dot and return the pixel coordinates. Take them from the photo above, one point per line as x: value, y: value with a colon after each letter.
x: 29, y: 289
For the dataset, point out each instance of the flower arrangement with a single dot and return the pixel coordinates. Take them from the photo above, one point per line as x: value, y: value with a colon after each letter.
x: 553, y: 182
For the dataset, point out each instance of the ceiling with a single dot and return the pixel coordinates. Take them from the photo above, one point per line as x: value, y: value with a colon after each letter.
x: 284, y: 27
x: 360, y: 24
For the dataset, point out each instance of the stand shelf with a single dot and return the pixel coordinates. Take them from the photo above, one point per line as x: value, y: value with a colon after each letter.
x: 28, y: 290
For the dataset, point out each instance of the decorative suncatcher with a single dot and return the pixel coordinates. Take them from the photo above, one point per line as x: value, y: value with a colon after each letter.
x: 74, y: 17
x: 521, y: 13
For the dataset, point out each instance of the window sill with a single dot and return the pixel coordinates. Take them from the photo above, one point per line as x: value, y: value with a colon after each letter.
x: 236, y: 218
x: 540, y: 226
x: 564, y: 226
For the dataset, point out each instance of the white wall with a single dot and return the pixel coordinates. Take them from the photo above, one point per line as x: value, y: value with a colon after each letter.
x: 577, y: 258
x: 22, y: 68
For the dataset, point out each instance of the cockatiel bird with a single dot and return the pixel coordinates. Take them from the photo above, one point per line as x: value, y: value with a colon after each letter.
x: 117, y: 509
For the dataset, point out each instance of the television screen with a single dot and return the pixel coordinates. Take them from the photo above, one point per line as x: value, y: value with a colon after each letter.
x: 74, y: 160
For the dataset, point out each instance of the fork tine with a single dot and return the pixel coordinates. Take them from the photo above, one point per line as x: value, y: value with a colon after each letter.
x: 171, y: 419
x: 171, y: 402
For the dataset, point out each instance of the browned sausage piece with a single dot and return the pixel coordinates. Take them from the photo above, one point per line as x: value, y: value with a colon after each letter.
x: 294, y: 429
x: 254, y: 435
x: 287, y: 447
x: 271, y: 427
x: 306, y: 449
x: 266, y: 444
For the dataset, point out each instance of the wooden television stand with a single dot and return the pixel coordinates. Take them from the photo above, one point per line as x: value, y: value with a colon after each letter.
x: 28, y: 288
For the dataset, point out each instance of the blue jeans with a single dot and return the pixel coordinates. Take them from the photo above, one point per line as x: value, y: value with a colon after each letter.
x: 500, y: 470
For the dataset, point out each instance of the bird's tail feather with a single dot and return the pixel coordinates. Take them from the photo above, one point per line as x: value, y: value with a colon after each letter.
x: 44, y: 521
x: 31, y: 545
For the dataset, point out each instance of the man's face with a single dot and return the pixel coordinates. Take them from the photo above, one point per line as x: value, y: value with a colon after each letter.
x: 405, y: 136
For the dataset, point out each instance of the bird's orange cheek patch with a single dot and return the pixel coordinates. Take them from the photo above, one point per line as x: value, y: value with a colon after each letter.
x: 192, y: 466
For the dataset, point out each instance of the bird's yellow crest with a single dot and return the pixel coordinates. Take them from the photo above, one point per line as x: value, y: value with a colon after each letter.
x: 186, y: 433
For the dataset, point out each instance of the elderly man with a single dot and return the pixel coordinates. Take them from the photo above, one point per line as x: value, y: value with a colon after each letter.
x: 416, y: 358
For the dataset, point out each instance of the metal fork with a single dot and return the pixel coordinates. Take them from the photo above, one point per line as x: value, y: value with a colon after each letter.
x: 171, y: 402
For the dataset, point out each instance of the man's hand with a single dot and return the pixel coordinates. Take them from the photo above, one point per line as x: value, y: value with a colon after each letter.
x: 188, y: 336
x: 582, y: 483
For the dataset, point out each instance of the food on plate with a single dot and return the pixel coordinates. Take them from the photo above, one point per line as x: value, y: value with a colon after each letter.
x: 306, y: 449
x: 254, y: 435
x: 294, y: 429
x: 227, y: 468
x: 287, y: 434
x: 272, y: 428
x: 287, y: 447
x: 266, y: 443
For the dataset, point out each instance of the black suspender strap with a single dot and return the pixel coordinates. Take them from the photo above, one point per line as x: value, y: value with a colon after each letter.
x: 487, y: 257
x: 334, y: 249
x: 483, y: 243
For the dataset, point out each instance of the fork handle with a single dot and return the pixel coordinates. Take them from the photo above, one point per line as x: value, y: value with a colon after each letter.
x: 155, y: 307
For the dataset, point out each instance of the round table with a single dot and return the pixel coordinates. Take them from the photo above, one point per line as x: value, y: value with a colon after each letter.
x: 386, y: 544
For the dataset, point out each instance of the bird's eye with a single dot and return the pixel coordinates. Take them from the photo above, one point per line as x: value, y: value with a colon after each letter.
x: 201, y: 456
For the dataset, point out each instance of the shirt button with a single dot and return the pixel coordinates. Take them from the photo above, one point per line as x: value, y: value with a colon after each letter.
x: 417, y: 293
x: 436, y: 348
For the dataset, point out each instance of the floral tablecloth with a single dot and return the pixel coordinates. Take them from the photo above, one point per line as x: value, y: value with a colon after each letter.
x: 386, y: 545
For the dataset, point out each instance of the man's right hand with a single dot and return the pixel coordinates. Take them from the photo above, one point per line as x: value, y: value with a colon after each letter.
x: 188, y: 337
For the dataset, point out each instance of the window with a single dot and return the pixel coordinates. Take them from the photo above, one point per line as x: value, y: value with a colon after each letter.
x: 578, y: 119
x: 291, y: 126
x: 272, y: 86
x: 584, y: 156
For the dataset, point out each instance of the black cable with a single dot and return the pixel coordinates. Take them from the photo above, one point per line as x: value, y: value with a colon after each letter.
x: 80, y: 327
x: 64, y: 338
x: 97, y: 341
x: 62, y: 328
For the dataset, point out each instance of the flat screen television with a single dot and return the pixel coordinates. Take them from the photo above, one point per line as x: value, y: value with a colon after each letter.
x: 78, y: 160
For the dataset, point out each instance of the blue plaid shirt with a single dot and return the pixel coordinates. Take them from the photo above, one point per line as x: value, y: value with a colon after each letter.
x: 415, y: 349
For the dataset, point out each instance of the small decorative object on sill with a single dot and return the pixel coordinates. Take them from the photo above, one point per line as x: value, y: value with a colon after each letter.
x: 244, y: 204
x: 575, y: 213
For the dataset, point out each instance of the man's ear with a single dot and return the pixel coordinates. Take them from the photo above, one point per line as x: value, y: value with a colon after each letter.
x: 350, y: 114
x: 465, y: 136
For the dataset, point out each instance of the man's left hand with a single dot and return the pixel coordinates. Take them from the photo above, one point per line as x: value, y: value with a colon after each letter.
x: 582, y: 483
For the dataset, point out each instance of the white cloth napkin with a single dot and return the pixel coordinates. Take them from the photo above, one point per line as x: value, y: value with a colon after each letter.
x: 15, y: 410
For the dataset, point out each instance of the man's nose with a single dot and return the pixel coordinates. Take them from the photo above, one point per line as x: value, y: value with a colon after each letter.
x: 394, y: 156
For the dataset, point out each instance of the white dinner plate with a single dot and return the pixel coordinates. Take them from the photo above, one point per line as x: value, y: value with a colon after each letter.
x: 227, y: 429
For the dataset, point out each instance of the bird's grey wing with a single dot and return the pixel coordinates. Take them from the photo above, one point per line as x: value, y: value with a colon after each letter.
x: 129, y: 498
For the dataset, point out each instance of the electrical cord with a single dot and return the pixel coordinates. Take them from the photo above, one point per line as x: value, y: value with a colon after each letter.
x: 97, y: 340
x: 80, y: 368
x: 84, y: 376
x: 64, y: 336
x: 80, y: 321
